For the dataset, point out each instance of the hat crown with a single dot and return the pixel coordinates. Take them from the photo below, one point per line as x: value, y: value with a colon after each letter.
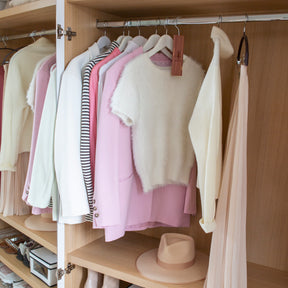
x: 176, y: 248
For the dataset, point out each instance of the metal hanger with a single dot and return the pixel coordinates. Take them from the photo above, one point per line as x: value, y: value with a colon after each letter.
x: 139, y: 40
x: 103, y: 41
x: 243, y: 39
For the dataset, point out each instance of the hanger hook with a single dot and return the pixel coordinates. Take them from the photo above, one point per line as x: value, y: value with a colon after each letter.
x: 138, y: 26
x: 176, y: 20
x: 32, y: 35
x: 3, y: 40
x: 220, y: 20
x: 246, y: 20
x: 105, y: 26
x: 166, y: 26
x: 128, y: 25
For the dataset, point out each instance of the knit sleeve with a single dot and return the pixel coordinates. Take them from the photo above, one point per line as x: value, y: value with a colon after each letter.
x: 16, y: 115
x: 125, y: 102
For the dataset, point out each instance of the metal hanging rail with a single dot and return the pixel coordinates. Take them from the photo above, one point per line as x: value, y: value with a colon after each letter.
x: 28, y: 35
x: 193, y: 20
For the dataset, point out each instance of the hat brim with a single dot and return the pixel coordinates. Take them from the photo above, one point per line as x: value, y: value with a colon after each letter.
x: 148, y: 267
x: 38, y: 223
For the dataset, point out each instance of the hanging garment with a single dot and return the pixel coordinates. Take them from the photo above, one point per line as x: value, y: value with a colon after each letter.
x: 158, y: 106
x: 93, y: 98
x: 30, y: 96
x: 12, y: 182
x: 227, y: 264
x: 43, y: 184
x: 207, y: 137
x: 17, y: 116
x: 120, y: 203
x: 85, y: 128
x: 70, y: 181
x: 2, y: 75
x: 131, y: 46
x: 42, y: 80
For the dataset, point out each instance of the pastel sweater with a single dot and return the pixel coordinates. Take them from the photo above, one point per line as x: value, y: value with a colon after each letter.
x: 17, y: 116
x: 158, y: 106
x: 207, y: 137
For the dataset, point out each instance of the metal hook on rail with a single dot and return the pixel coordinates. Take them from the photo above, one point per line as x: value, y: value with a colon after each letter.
x: 220, y: 20
x: 176, y: 20
x: 138, y: 26
x: 32, y: 35
x: 4, y: 42
x: 246, y: 20
x: 166, y: 26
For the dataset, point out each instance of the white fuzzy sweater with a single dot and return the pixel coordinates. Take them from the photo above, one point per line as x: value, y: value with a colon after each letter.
x: 159, y: 107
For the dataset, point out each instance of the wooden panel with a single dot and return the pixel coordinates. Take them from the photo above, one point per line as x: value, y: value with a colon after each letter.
x: 83, y: 21
x: 264, y: 277
x: 267, y: 225
x: 46, y: 239
x: 128, y: 8
x: 118, y: 258
x: 21, y: 270
x: 31, y: 16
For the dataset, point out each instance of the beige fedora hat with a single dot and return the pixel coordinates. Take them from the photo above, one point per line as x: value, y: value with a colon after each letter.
x: 175, y: 261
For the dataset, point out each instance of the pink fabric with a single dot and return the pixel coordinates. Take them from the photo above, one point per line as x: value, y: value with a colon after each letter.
x: 227, y: 264
x: 120, y: 201
x: 93, y: 96
x: 42, y: 80
x: 2, y: 73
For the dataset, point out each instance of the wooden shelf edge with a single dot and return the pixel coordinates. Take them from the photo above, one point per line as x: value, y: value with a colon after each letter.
x: 46, y: 239
x: 27, y: 8
x: 20, y: 269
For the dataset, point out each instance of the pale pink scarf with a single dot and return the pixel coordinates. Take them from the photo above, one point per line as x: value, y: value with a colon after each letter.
x: 227, y: 264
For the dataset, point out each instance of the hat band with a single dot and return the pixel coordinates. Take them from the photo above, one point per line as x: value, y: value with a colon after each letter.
x: 178, y: 266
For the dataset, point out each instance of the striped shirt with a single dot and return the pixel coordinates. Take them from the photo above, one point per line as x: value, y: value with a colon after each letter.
x: 85, y: 129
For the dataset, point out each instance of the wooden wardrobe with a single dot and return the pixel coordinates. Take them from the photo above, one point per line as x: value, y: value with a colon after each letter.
x: 267, y: 216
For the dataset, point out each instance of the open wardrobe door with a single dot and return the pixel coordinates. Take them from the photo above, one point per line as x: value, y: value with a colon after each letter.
x: 60, y: 59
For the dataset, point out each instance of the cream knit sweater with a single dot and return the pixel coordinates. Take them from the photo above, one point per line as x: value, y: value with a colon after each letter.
x: 17, y: 116
x: 159, y: 107
x: 205, y: 129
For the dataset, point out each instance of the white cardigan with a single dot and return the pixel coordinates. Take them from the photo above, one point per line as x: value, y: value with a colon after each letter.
x: 205, y: 130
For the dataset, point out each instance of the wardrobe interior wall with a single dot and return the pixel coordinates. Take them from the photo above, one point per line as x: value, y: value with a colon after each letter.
x: 267, y: 216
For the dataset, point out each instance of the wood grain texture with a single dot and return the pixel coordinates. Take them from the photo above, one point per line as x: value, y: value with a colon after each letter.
x: 118, y: 259
x: 36, y: 15
x: 46, y: 239
x: 128, y: 8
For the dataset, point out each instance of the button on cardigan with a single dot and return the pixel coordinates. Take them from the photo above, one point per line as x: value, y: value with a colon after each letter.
x: 17, y: 115
x: 205, y: 130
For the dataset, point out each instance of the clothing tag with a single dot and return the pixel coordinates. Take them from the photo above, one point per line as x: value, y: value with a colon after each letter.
x: 177, y: 60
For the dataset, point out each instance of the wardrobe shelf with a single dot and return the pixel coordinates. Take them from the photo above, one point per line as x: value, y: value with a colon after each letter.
x: 20, y: 269
x: 128, y: 8
x: 46, y: 239
x: 25, y: 17
x: 118, y: 259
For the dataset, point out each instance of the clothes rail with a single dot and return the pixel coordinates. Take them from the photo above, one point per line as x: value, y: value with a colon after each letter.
x: 193, y: 20
x: 28, y: 35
